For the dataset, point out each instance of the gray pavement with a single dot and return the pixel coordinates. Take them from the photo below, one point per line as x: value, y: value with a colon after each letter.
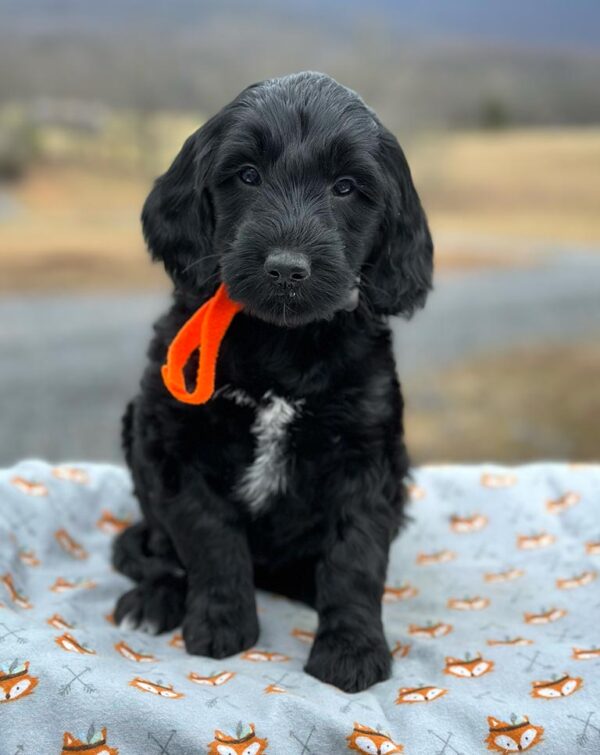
x: 68, y: 363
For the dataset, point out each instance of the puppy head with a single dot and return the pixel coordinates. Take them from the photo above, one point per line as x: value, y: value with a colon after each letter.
x: 300, y: 201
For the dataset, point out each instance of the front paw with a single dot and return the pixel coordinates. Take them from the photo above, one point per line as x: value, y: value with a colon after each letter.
x: 349, y: 661
x: 220, y: 630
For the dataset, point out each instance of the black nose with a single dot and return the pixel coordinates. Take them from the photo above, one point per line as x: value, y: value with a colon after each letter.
x: 285, y: 267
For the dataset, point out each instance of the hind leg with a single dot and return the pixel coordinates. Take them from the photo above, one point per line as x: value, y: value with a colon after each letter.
x: 155, y: 605
x: 142, y: 551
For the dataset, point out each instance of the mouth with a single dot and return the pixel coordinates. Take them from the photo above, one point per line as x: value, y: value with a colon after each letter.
x: 292, y: 308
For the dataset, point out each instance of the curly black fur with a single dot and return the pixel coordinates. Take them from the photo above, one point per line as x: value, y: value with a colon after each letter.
x: 323, y: 535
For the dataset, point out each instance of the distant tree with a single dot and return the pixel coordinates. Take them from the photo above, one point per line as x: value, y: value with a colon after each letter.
x: 494, y: 114
x: 18, y: 148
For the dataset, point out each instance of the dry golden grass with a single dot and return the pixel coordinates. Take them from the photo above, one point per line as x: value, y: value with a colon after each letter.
x: 493, y: 199
x: 523, y: 405
x: 521, y: 188
x: 76, y: 223
x: 75, y: 228
x: 126, y: 141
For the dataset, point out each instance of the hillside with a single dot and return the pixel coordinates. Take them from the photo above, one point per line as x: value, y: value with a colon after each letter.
x: 419, y: 64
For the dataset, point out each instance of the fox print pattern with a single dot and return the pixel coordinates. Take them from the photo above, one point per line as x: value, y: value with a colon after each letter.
x: 395, y: 594
x: 111, y: 524
x: 304, y: 635
x: 30, y: 487
x: 372, y: 741
x: 15, y: 681
x: 565, y: 686
x: 56, y: 621
x: 566, y: 501
x: 491, y: 480
x: 67, y: 642
x: 517, y: 736
x: 70, y: 545
x: 583, y: 654
x: 579, y: 580
x: 509, y: 575
x: 28, y: 557
x: 154, y: 688
x: 439, y: 557
x: 71, y: 474
x: 244, y: 742
x: 533, y: 542
x: 497, y: 622
x: 127, y: 652
x: 517, y: 641
x: 469, y: 667
x: 441, y: 629
x: 64, y: 585
x: 465, y: 524
x: 93, y: 744
x: 411, y: 695
x: 17, y: 598
x: 400, y: 650
x: 545, y: 617
x: 262, y: 656
x: 468, y: 604
x: 215, y: 680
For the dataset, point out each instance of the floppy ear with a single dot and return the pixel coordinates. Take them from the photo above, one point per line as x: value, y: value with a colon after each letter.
x: 399, y: 270
x: 177, y: 218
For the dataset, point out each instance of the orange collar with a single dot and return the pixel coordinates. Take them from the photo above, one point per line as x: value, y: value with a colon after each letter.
x: 204, y: 330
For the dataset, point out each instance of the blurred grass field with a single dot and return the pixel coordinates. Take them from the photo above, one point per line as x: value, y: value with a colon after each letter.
x: 496, y: 107
x: 70, y: 222
x: 493, y: 198
x: 518, y: 406
x: 532, y: 185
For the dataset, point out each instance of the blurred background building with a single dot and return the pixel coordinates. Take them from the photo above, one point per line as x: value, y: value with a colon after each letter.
x: 498, y: 108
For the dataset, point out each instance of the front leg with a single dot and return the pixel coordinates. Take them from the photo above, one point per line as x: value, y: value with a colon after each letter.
x: 210, y: 541
x: 350, y: 650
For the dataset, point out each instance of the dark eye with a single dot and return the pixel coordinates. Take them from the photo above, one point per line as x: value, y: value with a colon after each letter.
x: 249, y: 176
x: 343, y: 186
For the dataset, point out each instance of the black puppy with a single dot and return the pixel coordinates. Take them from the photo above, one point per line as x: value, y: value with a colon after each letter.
x: 291, y: 478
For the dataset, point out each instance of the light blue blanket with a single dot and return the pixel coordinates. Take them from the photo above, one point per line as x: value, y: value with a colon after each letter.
x: 492, y: 612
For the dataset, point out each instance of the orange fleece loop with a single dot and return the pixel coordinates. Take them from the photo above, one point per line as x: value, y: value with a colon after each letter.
x: 204, y: 330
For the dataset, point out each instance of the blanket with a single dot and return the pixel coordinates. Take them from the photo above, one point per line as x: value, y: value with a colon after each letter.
x: 491, y: 610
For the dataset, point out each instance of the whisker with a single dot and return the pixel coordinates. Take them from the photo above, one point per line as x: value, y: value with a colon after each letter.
x: 210, y: 278
x: 199, y: 261
x: 372, y: 286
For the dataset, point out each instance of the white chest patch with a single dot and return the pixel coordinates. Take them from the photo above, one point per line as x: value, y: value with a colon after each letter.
x: 266, y: 476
